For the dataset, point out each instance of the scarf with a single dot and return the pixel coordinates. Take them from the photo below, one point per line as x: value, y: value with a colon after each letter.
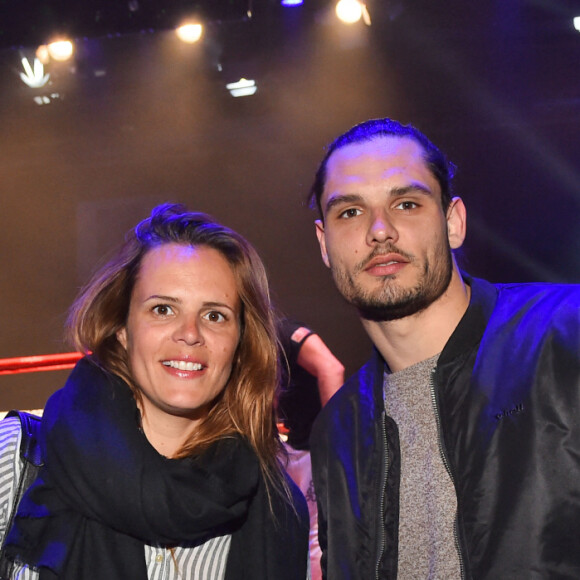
x: 104, y: 491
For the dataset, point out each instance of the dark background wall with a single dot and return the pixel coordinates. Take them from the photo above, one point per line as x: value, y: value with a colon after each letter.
x: 140, y: 119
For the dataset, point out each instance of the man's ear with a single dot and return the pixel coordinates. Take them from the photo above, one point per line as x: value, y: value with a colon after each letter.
x: 122, y: 337
x: 456, y: 223
x: 320, y: 234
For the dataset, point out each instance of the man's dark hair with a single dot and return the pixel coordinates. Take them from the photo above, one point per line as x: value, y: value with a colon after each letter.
x: 436, y: 161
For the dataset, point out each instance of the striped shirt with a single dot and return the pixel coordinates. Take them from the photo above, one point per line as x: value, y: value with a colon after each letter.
x: 204, y: 562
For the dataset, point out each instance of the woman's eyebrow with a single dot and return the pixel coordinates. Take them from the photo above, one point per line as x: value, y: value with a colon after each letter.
x: 171, y: 299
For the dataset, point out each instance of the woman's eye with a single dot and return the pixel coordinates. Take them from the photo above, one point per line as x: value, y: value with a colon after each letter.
x: 162, y: 310
x: 351, y: 212
x: 214, y: 316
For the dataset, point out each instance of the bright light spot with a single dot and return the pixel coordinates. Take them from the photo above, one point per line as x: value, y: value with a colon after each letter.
x: 189, y: 33
x: 42, y: 54
x: 33, y: 76
x: 242, y: 88
x: 46, y: 99
x: 292, y: 2
x: 577, y: 23
x: 61, y: 50
x: 349, y: 11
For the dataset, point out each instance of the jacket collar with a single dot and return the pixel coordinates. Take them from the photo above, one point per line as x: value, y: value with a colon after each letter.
x: 466, y: 335
x: 471, y: 327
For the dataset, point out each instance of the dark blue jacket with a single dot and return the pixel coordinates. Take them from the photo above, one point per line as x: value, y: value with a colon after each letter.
x: 507, y: 393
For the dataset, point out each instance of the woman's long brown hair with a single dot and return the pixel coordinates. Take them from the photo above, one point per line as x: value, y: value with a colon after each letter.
x: 246, y: 405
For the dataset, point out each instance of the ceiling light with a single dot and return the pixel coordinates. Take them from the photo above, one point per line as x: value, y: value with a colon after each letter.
x: 60, y: 50
x: 242, y: 88
x: 33, y: 76
x: 349, y: 11
x: 189, y: 33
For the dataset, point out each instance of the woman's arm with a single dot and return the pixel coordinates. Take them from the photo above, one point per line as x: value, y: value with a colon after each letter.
x: 318, y: 360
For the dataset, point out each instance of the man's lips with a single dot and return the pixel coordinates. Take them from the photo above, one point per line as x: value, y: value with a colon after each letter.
x: 386, y: 264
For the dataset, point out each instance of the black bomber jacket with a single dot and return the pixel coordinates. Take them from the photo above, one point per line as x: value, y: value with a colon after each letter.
x: 507, y: 394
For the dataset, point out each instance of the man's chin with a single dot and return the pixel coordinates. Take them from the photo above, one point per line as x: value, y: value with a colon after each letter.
x: 388, y: 308
x: 382, y: 313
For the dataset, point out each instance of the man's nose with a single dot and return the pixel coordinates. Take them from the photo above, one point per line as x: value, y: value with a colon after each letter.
x: 381, y: 229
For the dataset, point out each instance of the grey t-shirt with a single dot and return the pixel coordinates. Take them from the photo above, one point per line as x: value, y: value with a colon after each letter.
x: 428, y: 503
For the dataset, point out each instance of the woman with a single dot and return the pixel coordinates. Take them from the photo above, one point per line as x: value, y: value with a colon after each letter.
x: 160, y: 451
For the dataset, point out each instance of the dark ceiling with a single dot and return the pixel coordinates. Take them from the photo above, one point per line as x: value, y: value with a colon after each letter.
x: 26, y: 22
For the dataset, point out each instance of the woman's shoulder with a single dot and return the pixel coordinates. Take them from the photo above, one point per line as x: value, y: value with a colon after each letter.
x: 10, y: 435
x: 10, y: 465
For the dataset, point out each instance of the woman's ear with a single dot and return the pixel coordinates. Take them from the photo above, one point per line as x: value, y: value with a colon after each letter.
x: 456, y: 223
x: 122, y: 337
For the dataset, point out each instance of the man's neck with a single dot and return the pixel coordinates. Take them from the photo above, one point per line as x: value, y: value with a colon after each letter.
x: 409, y: 340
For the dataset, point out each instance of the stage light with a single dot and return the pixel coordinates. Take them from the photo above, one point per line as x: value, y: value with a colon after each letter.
x: 46, y: 100
x: 349, y: 11
x: 42, y: 54
x: 60, y: 50
x: 189, y: 33
x: 577, y: 23
x: 33, y: 76
x: 243, y: 88
x: 292, y: 2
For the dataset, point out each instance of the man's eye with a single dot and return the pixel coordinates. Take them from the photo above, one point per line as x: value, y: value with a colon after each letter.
x: 351, y: 212
x: 162, y: 310
x: 406, y: 205
x: 214, y: 316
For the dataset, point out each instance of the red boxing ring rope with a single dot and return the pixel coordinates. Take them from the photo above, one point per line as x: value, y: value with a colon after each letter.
x: 45, y: 362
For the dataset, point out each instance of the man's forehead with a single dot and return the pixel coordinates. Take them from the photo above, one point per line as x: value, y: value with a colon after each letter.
x: 384, y: 147
x: 378, y: 159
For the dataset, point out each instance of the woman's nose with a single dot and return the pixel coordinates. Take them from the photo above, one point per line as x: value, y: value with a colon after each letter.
x: 189, y: 331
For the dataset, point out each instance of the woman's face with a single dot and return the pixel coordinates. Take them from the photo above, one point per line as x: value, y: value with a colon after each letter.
x: 182, y: 330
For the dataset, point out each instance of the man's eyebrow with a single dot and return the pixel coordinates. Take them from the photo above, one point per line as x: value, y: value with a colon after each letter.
x: 340, y: 199
x: 412, y: 188
x: 347, y: 198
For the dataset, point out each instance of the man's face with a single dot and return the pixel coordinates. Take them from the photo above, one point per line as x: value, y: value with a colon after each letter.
x: 385, y: 235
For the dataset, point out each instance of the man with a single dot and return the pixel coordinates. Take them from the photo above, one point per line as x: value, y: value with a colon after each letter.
x: 455, y: 451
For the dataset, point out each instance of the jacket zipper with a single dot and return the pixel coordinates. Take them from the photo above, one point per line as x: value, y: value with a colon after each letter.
x: 382, y: 492
x: 448, y: 468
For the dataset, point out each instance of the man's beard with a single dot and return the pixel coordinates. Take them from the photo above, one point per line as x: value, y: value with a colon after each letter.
x: 391, y: 302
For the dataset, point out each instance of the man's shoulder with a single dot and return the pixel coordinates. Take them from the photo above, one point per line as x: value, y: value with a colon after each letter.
x: 550, y: 297
x: 540, y: 287
x: 363, y: 381
x: 508, y: 298
x: 546, y: 311
x: 359, y: 394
